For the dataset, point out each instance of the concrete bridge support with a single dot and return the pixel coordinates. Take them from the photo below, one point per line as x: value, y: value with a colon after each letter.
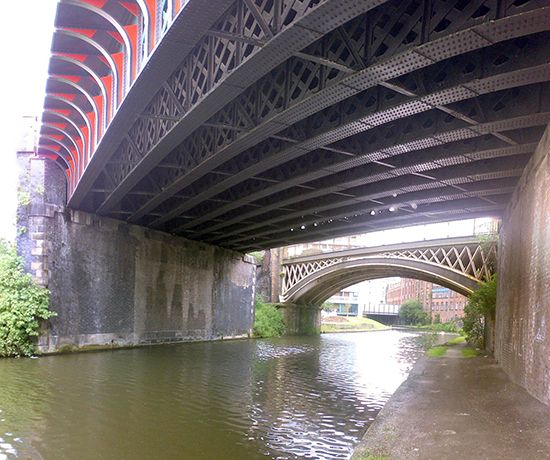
x: 522, y: 331
x: 117, y: 284
x: 301, y: 319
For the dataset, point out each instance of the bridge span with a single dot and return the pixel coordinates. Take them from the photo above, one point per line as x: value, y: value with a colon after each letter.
x: 457, y: 263
x: 253, y: 124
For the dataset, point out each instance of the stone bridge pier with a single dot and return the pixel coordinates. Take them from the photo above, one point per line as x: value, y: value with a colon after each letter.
x: 301, y: 319
x: 116, y: 284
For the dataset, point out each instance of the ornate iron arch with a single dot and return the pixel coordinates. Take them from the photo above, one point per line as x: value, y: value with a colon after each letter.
x: 315, y: 288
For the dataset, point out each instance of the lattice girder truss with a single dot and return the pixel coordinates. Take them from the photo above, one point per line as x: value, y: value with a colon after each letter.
x: 269, y: 117
x: 477, y: 261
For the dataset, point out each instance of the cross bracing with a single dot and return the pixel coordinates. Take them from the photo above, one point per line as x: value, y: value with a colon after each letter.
x: 256, y: 123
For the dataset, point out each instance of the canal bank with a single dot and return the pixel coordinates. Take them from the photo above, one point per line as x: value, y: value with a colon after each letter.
x: 457, y: 407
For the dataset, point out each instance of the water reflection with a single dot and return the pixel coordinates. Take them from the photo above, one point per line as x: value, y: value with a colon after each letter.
x: 317, y: 401
x: 283, y: 398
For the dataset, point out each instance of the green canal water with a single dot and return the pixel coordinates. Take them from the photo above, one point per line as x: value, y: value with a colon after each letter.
x: 282, y: 398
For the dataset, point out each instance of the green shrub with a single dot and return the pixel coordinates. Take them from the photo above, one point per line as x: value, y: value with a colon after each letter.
x: 469, y: 353
x: 456, y: 340
x: 268, y: 321
x: 411, y: 312
x: 329, y: 307
x: 427, y: 340
x: 258, y: 256
x: 450, y: 326
x: 22, y: 305
x: 481, y: 304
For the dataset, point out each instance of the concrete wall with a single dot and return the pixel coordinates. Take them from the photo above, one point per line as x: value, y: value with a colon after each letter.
x: 116, y: 283
x: 522, y: 330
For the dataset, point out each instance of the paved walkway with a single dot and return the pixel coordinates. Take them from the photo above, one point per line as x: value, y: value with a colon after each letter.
x: 458, y: 408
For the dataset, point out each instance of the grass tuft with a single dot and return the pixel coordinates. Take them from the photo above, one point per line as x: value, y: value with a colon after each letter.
x: 437, y: 352
x: 456, y: 340
x: 469, y: 352
x: 357, y: 324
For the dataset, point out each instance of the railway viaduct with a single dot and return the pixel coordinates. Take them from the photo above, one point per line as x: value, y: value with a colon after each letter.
x: 179, y: 135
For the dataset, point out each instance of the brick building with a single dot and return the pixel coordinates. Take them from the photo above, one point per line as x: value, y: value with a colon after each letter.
x: 436, y: 300
x: 447, y: 303
x: 406, y: 288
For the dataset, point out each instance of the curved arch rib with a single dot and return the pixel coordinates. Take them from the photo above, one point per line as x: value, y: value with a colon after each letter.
x: 87, y: 37
x: 122, y: 32
x: 106, y: 104
x: 72, y: 106
x: 79, y: 158
x: 69, y: 120
x: 69, y: 158
x: 96, y: 121
x: 313, y: 286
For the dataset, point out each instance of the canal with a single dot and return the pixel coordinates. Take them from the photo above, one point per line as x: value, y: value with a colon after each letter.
x: 306, y: 397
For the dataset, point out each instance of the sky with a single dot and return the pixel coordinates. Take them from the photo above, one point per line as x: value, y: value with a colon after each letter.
x: 25, y: 38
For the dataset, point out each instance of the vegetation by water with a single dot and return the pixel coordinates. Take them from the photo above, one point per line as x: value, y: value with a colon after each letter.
x: 346, y: 324
x: 456, y: 340
x: 412, y: 312
x: 427, y: 340
x: 481, y: 305
x: 268, y: 321
x: 23, y: 304
x: 441, y: 350
x: 451, y: 326
x: 437, y: 352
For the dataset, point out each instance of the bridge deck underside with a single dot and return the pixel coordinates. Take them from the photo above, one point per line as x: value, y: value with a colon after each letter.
x: 287, y: 124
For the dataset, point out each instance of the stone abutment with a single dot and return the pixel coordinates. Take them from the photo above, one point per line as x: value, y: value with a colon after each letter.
x: 115, y: 284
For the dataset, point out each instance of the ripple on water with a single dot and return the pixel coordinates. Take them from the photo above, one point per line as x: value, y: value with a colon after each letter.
x: 285, y: 398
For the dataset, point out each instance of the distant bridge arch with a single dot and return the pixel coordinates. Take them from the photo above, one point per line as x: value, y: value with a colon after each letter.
x: 457, y: 263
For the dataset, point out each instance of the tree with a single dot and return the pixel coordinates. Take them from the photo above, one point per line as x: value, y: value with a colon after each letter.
x: 412, y: 312
x: 481, y: 305
x: 23, y: 304
x: 329, y: 307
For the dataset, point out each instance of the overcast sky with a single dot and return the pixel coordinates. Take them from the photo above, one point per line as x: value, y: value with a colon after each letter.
x: 25, y: 37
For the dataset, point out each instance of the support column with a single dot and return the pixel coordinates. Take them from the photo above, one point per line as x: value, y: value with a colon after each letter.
x: 269, y: 276
x: 276, y: 269
x: 302, y: 319
x: 41, y: 193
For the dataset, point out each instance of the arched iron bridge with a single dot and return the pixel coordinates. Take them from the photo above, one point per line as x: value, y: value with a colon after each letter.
x: 457, y: 263
x: 252, y: 124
